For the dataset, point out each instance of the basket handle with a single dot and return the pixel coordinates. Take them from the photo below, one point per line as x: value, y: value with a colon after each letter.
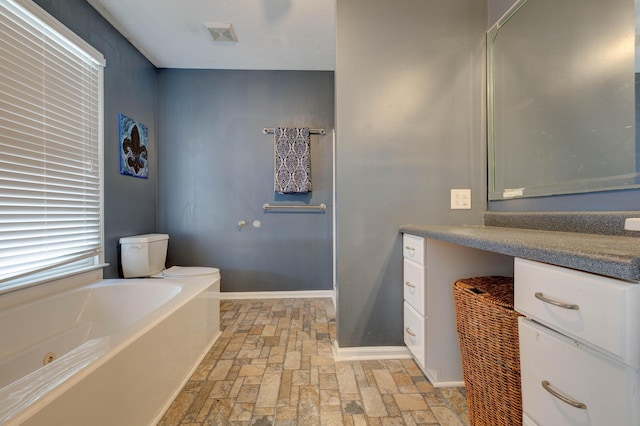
x: 469, y: 288
x: 487, y: 296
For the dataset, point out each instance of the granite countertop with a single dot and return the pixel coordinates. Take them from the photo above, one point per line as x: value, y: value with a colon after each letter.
x: 614, y: 256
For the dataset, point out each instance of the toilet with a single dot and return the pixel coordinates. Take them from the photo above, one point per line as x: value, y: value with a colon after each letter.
x: 145, y: 255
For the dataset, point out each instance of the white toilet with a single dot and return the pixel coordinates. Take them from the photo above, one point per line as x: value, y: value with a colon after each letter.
x: 144, y: 256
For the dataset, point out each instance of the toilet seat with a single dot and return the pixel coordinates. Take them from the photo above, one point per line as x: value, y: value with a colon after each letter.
x: 189, y: 272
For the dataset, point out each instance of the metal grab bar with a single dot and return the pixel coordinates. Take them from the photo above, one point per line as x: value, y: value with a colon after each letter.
x: 271, y: 130
x: 267, y: 207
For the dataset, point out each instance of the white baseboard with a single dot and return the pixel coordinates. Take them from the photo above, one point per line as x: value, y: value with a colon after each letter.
x: 432, y: 376
x: 365, y: 353
x: 304, y: 294
x: 448, y: 384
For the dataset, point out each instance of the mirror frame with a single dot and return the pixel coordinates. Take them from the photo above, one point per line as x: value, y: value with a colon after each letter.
x: 618, y: 182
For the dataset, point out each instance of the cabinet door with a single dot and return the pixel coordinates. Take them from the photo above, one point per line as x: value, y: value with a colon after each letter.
x: 557, y: 371
x: 596, y: 310
x: 413, y: 248
x: 414, y: 285
x: 414, y: 333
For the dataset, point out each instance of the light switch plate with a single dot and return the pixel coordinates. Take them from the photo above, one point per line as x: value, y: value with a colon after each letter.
x: 460, y: 199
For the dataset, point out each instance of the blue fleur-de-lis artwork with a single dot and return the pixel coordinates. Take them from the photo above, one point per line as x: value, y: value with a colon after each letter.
x: 134, y: 160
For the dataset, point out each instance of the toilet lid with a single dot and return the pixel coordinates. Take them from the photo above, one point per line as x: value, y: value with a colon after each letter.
x: 189, y: 271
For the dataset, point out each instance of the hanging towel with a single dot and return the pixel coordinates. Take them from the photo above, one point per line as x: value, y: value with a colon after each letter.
x: 292, y: 154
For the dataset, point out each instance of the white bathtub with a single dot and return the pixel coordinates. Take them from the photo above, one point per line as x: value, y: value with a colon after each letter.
x: 122, y: 349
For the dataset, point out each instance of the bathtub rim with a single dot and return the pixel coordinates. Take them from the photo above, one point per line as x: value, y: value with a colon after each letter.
x: 193, y: 287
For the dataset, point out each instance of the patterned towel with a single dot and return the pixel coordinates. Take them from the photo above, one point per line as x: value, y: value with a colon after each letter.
x: 292, y: 154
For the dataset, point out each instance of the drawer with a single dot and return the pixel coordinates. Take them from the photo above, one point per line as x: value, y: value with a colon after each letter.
x: 605, y: 311
x: 414, y: 333
x: 413, y: 248
x: 607, y: 387
x: 413, y: 274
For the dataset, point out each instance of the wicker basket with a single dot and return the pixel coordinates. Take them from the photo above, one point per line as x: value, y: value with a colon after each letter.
x: 488, y: 334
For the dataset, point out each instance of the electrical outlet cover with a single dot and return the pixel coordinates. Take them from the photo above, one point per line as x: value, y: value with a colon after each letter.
x: 460, y: 199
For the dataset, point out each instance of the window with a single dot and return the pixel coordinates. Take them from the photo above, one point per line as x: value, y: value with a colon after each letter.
x: 50, y: 148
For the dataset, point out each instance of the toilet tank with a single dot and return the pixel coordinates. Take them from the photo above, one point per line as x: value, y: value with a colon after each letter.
x: 143, y: 255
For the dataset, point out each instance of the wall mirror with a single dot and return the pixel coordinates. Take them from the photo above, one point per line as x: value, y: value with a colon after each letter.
x: 561, y: 98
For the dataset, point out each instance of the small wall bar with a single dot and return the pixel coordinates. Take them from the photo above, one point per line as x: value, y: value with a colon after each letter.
x: 271, y: 130
x: 267, y: 207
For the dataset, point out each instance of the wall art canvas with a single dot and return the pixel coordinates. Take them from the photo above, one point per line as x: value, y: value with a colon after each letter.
x: 133, y: 148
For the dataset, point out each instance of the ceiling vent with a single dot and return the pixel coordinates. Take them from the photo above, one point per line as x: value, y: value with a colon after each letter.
x: 222, y: 33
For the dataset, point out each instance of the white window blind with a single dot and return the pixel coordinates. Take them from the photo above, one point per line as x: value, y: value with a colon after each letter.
x: 50, y: 146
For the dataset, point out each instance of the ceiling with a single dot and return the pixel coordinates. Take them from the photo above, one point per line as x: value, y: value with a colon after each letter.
x: 272, y: 34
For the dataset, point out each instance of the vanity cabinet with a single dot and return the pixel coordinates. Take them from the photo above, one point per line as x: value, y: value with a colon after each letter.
x: 415, y: 322
x: 580, y: 294
x: 430, y: 268
x: 579, y: 346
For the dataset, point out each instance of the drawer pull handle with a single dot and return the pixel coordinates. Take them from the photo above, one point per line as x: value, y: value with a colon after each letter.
x: 547, y: 386
x: 411, y: 333
x: 408, y: 284
x: 555, y: 302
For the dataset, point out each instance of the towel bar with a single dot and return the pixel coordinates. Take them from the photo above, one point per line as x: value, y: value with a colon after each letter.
x: 267, y: 207
x: 270, y: 130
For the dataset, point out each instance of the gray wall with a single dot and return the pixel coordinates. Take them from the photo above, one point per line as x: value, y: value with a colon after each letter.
x: 216, y: 168
x: 129, y: 88
x: 410, y: 127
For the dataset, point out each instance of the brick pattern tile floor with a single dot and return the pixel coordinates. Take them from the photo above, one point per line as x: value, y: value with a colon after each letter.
x: 273, y: 365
